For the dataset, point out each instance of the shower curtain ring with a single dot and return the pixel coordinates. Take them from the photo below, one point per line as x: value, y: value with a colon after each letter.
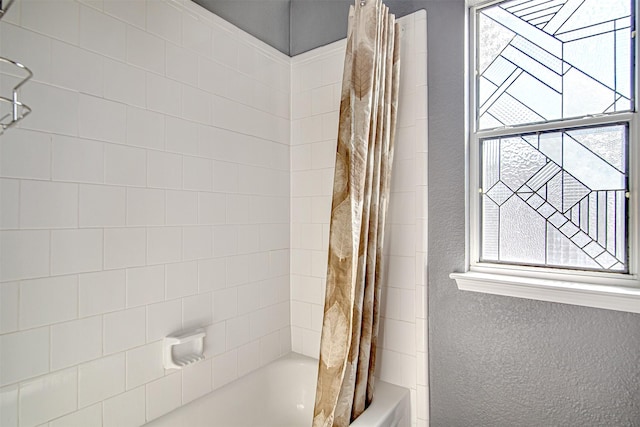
x: 363, y: 2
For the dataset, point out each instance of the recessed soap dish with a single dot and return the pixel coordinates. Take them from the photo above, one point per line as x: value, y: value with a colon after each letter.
x: 184, y: 349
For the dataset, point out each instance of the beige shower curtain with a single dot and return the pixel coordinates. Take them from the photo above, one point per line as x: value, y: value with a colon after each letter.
x: 360, y: 197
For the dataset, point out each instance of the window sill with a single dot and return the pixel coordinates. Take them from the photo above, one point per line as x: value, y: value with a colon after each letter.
x: 621, y: 297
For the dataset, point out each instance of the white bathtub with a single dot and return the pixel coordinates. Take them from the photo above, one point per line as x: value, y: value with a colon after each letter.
x: 281, y: 394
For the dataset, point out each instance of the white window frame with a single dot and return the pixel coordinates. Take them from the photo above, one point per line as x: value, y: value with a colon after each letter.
x: 607, y: 290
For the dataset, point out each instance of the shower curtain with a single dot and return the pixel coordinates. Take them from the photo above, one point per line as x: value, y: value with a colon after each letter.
x: 364, y: 156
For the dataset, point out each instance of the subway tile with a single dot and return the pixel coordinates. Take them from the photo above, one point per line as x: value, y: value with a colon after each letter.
x: 48, y: 300
x: 400, y: 271
x: 225, y: 177
x: 237, y: 270
x: 248, y: 238
x: 225, y: 47
x: 196, y: 35
x: 196, y: 104
x: 90, y: 416
x: 181, y: 64
x: 125, y: 410
x: 124, y: 330
x: 57, y: 20
x: 399, y: 336
x: 145, y: 206
x: 182, y: 279
x: 164, y: 170
x: 248, y: 358
x: 145, y: 50
x: 164, y: 244
x: 144, y: 364
x: 130, y: 11
x: 102, y: 206
x: 93, y: 122
x: 145, y: 285
x: 163, y: 395
x: 24, y: 355
x: 27, y: 47
x: 238, y: 331
x: 225, y: 304
x: 311, y: 343
x: 25, y: 154
x: 124, y: 83
x: 181, y: 136
x: 306, y: 289
x: 124, y: 247
x: 197, y: 243
x: 248, y: 298
x: 276, y: 236
x: 164, y: 20
x: 145, y: 128
x: 181, y: 207
x: 401, y: 241
x: 101, y: 379
x: 301, y: 314
x: 9, y: 204
x: 211, y: 274
x: 317, y: 314
x: 270, y: 290
x: 198, y: 174
x: 163, y: 319
x: 225, y: 240
x: 125, y: 165
x: 57, y: 108
x: 76, y: 69
x: 25, y: 254
x: 269, y: 348
x: 9, y: 307
x: 197, y: 311
x: 196, y: 380
x: 96, y: 4
x: 322, y: 100
x: 237, y: 209
x: 225, y: 368
x: 76, y: 342
x: 163, y: 95
x: 101, y: 292
x: 211, y: 208
x: 76, y: 251
x: 48, y: 397
x: 77, y: 160
x: 215, y: 341
x: 48, y: 204
x: 102, y: 33
x: 301, y: 157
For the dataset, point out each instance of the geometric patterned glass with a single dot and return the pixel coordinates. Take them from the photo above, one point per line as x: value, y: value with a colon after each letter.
x: 556, y: 199
x: 543, y: 60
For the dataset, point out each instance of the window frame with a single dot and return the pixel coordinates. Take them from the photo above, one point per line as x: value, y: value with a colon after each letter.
x: 608, y: 290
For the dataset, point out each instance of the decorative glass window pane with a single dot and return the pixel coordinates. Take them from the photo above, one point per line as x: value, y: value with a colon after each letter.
x: 556, y: 199
x: 543, y: 60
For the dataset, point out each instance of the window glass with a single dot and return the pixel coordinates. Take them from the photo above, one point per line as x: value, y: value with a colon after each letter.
x: 544, y: 60
x: 556, y: 198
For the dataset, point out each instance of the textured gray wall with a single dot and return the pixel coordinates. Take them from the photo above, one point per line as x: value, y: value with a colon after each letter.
x: 499, y: 361
x: 494, y: 361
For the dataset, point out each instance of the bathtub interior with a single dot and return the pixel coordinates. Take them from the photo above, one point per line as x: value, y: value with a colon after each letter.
x: 281, y: 394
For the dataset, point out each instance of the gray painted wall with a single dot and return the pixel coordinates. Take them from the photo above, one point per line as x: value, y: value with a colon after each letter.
x: 494, y: 361
x: 267, y: 20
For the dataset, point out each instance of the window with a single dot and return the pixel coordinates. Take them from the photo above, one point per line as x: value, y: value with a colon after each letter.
x: 552, y: 152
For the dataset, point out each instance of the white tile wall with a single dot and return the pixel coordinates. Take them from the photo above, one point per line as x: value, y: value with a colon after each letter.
x: 165, y: 181
x: 316, y: 80
x: 122, y: 217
